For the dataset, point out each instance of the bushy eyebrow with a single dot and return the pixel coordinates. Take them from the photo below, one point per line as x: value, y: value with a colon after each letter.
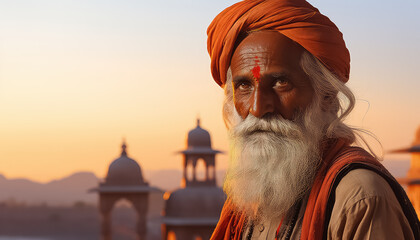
x: 280, y: 75
x: 241, y: 78
x: 275, y: 75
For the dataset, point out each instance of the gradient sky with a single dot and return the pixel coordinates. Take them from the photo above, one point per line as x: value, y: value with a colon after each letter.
x: 78, y: 76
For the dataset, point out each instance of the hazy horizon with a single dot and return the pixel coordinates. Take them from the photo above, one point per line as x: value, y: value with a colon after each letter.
x: 76, y: 77
x: 391, y: 164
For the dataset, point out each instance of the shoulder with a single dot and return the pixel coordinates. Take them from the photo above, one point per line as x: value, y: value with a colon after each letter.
x: 359, y: 184
x: 365, y: 206
x: 361, y: 177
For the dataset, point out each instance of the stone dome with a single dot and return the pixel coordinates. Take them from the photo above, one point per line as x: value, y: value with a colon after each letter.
x: 195, y: 202
x: 124, y: 171
x: 198, y: 137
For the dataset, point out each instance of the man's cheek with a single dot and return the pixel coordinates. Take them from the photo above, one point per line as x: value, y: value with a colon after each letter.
x: 242, y: 106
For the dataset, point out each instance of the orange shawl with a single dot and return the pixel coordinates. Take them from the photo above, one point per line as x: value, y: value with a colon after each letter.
x: 339, y: 160
x: 296, y: 19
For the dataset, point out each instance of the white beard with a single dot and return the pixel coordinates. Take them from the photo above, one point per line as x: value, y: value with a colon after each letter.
x: 273, y: 162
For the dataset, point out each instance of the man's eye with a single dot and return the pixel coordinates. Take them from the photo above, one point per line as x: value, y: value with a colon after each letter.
x: 243, y: 86
x: 281, y: 83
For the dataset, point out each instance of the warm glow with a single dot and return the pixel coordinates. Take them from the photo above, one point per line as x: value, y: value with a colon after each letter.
x: 77, y: 77
x: 171, y: 236
x: 166, y: 195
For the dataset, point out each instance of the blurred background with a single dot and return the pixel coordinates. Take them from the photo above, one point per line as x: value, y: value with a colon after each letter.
x: 76, y: 77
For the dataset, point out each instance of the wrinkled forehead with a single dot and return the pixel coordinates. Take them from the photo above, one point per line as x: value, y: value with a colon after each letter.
x: 266, y: 47
x: 249, y: 56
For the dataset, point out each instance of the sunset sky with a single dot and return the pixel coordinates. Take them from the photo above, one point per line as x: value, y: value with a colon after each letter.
x: 78, y: 76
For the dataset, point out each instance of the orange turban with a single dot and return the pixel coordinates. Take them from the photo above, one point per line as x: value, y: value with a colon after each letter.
x: 296, y: 19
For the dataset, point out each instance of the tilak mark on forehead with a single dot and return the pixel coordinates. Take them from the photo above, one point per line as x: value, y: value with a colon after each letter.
x: 256, y: 70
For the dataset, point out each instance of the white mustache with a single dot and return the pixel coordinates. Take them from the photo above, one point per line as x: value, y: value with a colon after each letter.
x: 274, y: 124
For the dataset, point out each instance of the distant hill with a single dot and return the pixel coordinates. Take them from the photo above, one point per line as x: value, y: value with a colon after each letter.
x: 65, y: 191
x: 74, y: 188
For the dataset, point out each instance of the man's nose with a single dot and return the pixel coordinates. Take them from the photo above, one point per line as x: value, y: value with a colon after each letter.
x: 262, y: 102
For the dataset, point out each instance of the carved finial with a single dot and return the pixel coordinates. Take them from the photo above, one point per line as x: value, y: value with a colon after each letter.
x: 123, y: 147
x: 198, y: 119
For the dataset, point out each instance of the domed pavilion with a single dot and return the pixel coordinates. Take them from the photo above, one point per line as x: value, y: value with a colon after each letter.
x: 412, y: 181
x: 192, y: 211
x: 124, y: 180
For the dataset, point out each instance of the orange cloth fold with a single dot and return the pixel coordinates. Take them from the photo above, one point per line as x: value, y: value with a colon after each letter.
x: 296, y: 19
x: 230, y: 225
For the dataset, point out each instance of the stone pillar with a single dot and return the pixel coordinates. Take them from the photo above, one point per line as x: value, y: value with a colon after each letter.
x: 194, y: 173
x: 106, y: 202
x: 106, y: 226
x: 214, y: 171
x: 140, y: 203
x: 207, y: 170
x: 185, y: 167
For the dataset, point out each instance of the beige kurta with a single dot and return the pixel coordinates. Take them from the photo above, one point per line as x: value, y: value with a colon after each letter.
x: 365, y: 208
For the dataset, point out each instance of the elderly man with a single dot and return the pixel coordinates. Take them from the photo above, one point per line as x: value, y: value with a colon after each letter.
x: 293, y: 173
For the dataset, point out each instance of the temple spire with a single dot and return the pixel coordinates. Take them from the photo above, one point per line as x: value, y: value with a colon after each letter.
x: 123, y: 147
x: 198, y: 121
